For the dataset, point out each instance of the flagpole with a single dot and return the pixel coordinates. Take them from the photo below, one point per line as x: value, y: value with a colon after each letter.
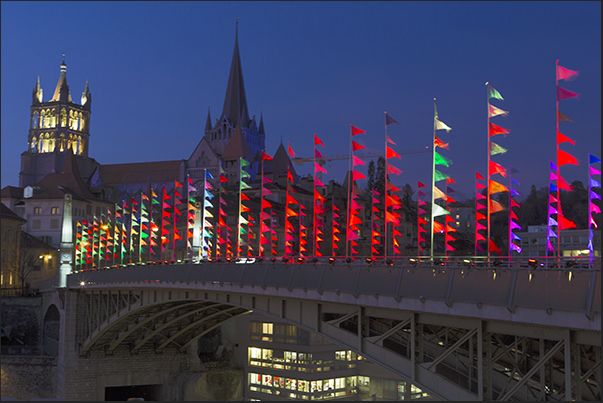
x: 433, y: 175
x: 350, y: 192
x: 261, y: 251
x: 559, y: 212
x: 314, y: 242
x: 385, y: 195
x: 488, y: 172
x: 590, y: 212
x: 510, y: 210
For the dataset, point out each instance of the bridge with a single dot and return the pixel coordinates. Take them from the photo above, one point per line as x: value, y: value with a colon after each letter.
x: 458, y: 332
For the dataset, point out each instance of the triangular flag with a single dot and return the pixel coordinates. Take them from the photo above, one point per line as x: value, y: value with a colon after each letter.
x: 494, y: 111
x: 439, y: 143
x: 392, y: 170
x: 389, y: 153
x: 356, y: 161
x: 441, y: 125
x: 317, y: 141
x: 561, y: 117
x: 565, y: 158
x: 495, y: 206
x: 495, y: 129
x: 494, y: 248
x: 563, y: 94
x: 441, y: 160
x: 439, y: 211
x: 291, y: 153
x: 389, y: 120
x: 563, y: 138
x: 356, y: 146
x: 492, y: 93
x: 566, y: 74
x: 496, y: 187
x: 356, y: 130
x: 496, y: 149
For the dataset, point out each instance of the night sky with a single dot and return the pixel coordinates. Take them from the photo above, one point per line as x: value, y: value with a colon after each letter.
x: 155, y: 68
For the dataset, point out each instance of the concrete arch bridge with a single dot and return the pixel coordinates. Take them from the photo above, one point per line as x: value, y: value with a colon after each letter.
x: 459, y: 333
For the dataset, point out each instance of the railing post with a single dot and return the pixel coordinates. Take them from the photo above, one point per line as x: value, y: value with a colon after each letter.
x: 355, y: 294
x: 591, y: 295
x: 397, y: 296
x: 322, y: 274
x: 291, y: 277
x: 449, y: 291
x: 510, y: 305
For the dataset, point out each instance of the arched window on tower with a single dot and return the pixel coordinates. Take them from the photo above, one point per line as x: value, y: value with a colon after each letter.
x: 79, y: 121
x: 52, y: 118
x: 63, y: 117
x: 33, y: 144
x: 34, y: 120
x: 62, y: 142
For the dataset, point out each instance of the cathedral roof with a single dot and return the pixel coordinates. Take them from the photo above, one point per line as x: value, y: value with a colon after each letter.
x: 237, y: 146
x: 140, y: 172
x: 235, y: 101
x: 56, y: 185
x: 61, y: 93
x: 280, y: 161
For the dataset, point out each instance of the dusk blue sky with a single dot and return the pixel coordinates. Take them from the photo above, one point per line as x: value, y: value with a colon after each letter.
x: 154, y: 68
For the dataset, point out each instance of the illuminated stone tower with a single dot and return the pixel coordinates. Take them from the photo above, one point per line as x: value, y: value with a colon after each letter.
x: 234, y: 112
x: 56, y: 127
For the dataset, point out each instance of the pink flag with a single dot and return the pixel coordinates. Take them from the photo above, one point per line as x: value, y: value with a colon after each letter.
x: 356, y: 161
x: 566, y: 74
x: 319, y: 168
x: 393, y: 170
x: 388, y: 140
x: 563, y: 94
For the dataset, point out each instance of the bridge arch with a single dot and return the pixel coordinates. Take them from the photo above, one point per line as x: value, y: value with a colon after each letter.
x: 51, y: 331
x: 429, y: 334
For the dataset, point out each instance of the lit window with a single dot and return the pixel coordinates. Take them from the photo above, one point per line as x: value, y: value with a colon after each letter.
x: 255, y: 352
x: 267, y: 328
x: 55, y: 210
x: 37, y: 210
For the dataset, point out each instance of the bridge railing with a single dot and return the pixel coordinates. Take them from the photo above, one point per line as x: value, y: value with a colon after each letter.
x: 568, y: 289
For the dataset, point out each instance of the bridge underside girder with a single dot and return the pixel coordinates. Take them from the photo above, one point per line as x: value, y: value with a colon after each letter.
x: 452, y: 358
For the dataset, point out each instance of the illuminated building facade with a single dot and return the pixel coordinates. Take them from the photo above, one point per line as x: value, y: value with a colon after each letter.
x: 284, y: 362
x: 56, y: 127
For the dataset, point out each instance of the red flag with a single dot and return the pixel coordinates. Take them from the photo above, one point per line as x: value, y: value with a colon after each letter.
x: 437, y: 227
x: 566, y: 74
x: 357, y: 175
x: 291, y: 153
x: 494, y: 248
x: 478, y: 176
x: 389, y: 153
x: 438, y: 143
x: 356, y: 146
x: 420, y: 185
x: 495, y: 129
x: 563, y: 185
x: 565, y: 158
x: 449, y: 181
x: 563, y: 94
x: 495, y: 206
x: 356, y: 131
x: 497, y: 169
x: 178, y: 184
x: 393, y: 170
x: 562, y: 138
x: 317, y: 141
x: 266, y: 156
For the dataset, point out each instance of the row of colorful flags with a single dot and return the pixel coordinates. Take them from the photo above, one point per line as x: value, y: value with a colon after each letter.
x: 145, y: 226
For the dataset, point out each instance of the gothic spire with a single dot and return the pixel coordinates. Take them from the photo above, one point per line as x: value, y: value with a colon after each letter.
x: 261, y: 128
x: 37, y: 93
x: 235, y: 101
x: 61, y: 93
x: 86, y: 97
x: 208, y: 123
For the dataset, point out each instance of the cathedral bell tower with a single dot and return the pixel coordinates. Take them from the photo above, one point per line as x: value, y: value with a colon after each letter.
x: 56, y: 127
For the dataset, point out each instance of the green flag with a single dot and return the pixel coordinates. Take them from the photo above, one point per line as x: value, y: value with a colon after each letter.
x: 244, y: 186
x: 439, y: 176
x: 561, y: 117
x: 492, y: 93
x: 441, y: 160
x: 496, y: 149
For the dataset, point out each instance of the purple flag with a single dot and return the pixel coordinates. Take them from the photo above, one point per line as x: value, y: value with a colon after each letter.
x: 562, y: 94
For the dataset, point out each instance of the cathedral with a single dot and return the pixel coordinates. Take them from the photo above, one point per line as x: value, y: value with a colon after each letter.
x: 58, y: 151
